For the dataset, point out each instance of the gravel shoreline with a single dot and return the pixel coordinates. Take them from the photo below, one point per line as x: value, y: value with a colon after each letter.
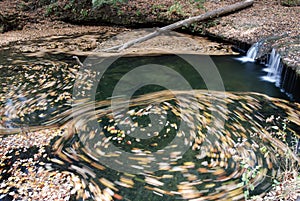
x: 23, y: 168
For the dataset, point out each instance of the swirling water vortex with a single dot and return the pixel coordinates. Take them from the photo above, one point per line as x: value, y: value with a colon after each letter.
x: 241, y: 157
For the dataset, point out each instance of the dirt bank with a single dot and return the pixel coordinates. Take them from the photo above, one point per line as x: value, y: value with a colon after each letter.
x: 264, y: 19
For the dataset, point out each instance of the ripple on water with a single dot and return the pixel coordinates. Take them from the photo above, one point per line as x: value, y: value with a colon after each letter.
x: 189, y: 145
x: 31, y: 94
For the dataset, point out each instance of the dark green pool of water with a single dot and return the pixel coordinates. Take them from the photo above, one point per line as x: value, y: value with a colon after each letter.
x: 236, y: 76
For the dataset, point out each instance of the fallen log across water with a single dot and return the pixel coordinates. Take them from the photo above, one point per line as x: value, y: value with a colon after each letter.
x: 209, y: 15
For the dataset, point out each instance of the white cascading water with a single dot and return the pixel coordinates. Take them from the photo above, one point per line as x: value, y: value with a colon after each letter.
x: 274, y: 66
x: 251, y: 53
x: 274, y: 69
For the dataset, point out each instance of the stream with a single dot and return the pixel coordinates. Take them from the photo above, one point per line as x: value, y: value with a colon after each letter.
x: 152, y: 127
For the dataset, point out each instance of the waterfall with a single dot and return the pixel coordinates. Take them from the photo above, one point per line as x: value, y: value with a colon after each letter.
x: 271, y: 59
x: 274, y: 68
x: 251, y: 53
x: 285, y: 78
x: 272, y: 56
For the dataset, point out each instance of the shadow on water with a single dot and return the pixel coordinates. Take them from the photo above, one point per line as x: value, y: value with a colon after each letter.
x: 236, y: 76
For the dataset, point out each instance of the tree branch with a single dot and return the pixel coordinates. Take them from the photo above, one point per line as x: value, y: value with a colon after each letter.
x: 186, y: 22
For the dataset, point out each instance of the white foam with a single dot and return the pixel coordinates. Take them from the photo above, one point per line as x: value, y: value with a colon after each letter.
x: 245, y: 59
